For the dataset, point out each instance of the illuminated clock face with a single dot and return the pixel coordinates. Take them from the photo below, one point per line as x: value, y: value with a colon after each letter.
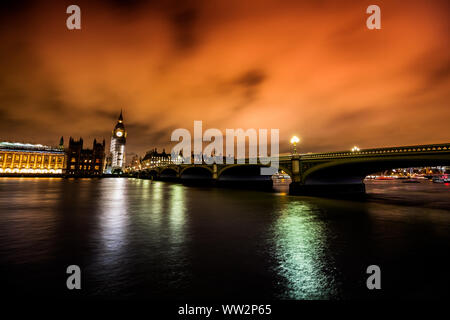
x: 119, y: 133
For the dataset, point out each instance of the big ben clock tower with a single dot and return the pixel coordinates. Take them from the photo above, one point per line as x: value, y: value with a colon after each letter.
x: 118, y: 140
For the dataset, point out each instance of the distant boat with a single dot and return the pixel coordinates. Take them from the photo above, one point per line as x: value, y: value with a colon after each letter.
x: 281, y: 176
x: 384, y: 178
x: 441, y: 179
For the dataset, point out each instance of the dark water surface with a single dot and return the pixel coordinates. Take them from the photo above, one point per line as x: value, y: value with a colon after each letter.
x: 133, y: 238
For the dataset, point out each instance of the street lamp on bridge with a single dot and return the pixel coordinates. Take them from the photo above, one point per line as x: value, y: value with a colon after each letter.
x: 294, y: 141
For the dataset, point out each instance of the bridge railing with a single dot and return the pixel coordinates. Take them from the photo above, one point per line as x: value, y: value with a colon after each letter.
x: 434, y: 148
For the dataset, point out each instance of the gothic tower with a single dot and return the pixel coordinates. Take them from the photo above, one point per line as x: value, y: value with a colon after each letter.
x: 117, y: 149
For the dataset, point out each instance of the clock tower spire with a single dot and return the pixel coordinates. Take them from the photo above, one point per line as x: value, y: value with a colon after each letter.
x: 117, y: 149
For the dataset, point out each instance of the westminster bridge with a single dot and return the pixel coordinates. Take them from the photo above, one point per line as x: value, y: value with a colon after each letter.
x: 311, y: 173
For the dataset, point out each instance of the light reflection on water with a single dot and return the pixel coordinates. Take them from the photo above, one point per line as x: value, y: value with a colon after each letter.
x: 113, y: 227
x: 301, y: 243
x: 177, y: 214
x: 137, y: 238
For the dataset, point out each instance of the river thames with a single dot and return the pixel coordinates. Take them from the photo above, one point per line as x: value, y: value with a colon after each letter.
x: 154, y: 240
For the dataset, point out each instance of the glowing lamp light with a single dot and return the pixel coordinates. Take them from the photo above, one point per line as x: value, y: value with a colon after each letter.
x: 295, y: 140
x: 355, y: 148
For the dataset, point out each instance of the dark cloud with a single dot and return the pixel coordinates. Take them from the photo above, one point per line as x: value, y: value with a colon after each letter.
x: 106, y: 114
x: 11, y: 123
x: 127, y: 5
x: 143, y: 137
x: 438, y: 75
x: 249, y: 84
x: 251, y: 78
x: 183, y: 21
x: 431, y: 72
x: 353, y: 118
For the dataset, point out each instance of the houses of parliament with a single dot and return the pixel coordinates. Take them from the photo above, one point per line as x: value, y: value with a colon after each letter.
x: 26, y: 159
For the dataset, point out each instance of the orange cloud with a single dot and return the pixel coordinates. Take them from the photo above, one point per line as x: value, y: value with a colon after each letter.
x: 307, y: 69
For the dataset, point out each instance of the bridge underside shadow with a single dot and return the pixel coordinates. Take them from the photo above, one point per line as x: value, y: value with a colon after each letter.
x: 197, y: 176
x: 168, y: 174
x: 245, y: 177
x: 347, y: 177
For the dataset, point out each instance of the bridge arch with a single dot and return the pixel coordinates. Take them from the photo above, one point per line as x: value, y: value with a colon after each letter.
x: 246, y: 171
x: 244, y: 176
x: 196, y: 173
x: 286, y: 169
x: 200, y: 167
x: 153, y: 173
x: 354, y: 170
x: 169, y: 173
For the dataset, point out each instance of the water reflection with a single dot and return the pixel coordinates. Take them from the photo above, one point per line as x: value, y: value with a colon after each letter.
x: 301, y: 246
x: 33, y: 220
x: 135, y: 238
x: 156, y: 202
x: 177, y: 223
x: 176, y: 212
x: 113, y: 226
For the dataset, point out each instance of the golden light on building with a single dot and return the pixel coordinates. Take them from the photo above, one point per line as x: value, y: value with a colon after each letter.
x: 24, y: 158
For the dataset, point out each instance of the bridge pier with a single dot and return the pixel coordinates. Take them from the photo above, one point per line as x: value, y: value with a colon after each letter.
x: 295, y: 162
x: 215, y: 176
x: 297, y: 188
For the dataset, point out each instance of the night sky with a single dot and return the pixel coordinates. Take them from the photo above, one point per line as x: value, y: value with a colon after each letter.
x: 310, y: 68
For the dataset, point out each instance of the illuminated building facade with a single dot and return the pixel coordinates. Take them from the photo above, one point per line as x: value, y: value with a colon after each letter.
x: 31, y: 159
x: 117, y: 148
x: 154, y: 158
x: 134, y: 165
x: 85, y: 162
